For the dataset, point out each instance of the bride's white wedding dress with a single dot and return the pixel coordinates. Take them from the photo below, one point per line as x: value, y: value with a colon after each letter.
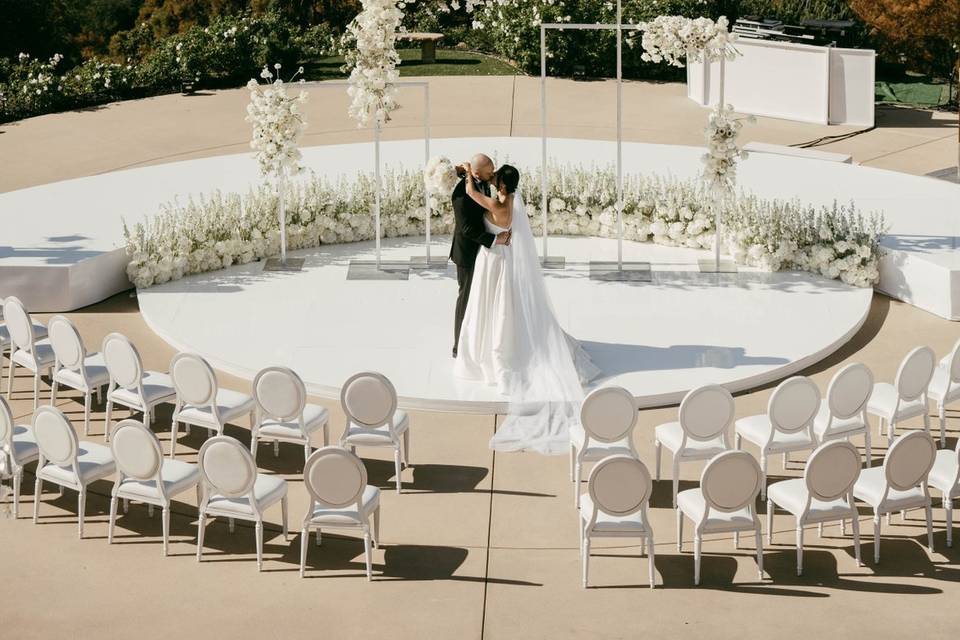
x: 511, y: 338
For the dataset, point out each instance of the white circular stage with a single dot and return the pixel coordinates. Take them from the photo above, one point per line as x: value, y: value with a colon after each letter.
x: 658, y: 339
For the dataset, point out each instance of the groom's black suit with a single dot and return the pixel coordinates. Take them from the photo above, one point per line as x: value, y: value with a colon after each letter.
x: 469, y: 233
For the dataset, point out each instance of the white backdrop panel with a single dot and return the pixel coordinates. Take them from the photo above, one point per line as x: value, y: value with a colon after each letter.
x: 852, y: 74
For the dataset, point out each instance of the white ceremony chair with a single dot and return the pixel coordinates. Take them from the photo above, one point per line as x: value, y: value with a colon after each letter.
x: 131, y: 386
x: 615, y: 506
x: 283, y: 414
x: 26, y: 350
x: 945, y: 387
x: 900, y: 484
x: 906, y: 398
x: 39, y: 333
x: 723, y: 503
x: 787, y: 426
x: 74, y: 367
x: 844, y: 411
x: 945, y: 476
x: 369, y: 401
x: 200, y: 401
x: 144, y: 475
x: 65, y: 461
x: 340, y: 498
x: 702, y: 432
x: 824, y: 494
x: 607, y: 418
x: 232, y: 488
x: 18, y: 447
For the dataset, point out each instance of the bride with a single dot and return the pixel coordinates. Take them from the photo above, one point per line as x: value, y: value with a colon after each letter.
x: 510, y: 336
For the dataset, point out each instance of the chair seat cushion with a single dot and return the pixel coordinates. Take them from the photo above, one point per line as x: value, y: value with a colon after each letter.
x: 607, y: 523
x: 40, y: 358
x: 94, y: 461
x: 941, y: 388
x: 598, y: 450
x: 791, y: 495
x: 230, y: 405
x: 871, y: 484
x: 943, y: 475
x: 692, y: 504
x: 157, y: 388
x: 757, y: 430
x: 347, y: 516
x: 883, y: 402
x: 24, y: 445
x: 177, y: 476
x: 314, y: 417
x: 839, y: 426
x: 357, y: 435
x: 267, y: 490
x: 671, y: 436
x: 96, y: 370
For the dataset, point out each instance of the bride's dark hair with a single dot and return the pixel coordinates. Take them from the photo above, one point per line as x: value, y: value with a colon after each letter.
x: 508, y: 176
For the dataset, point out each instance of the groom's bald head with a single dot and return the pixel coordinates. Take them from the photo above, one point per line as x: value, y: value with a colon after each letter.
x: 483, y: 168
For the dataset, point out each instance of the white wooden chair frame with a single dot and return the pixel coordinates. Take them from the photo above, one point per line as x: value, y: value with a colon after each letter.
x: 14, y: 463
x: 596, y: 444
x: 833, y: 398
x: 134, y: 384
x: 23, y: 349
x: 78, y: 365
x: 296, y: 415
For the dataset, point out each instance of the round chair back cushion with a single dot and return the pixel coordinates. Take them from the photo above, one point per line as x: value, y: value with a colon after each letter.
x: 954, y: 363
x: 794, y: 404
x: 279, y: 392
x: 123, y: 361
x: 706, y: 412
x: 620, y: 485
x: 55, y: 436
x: 369, y: 399
x: 909, y: 460
x: 18, y: 322
x: 731, y: 481
x: 335, y: 477
x: 136, y: 450
x: 66, y: 342
x: 850, y: 390
x: 832, y: 470
x: 227, y: 466
x: 914, y: 374
x: 193, y: 379
x: 6, y: 423
x: 608, y: 414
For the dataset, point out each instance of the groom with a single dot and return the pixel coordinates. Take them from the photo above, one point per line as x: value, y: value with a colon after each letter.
x: 469, y: 233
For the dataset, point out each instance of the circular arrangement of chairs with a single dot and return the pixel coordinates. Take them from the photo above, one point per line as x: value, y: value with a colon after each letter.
x: 619, y: 485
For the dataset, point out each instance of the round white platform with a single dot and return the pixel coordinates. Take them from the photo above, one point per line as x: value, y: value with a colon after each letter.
x: 658, y: 339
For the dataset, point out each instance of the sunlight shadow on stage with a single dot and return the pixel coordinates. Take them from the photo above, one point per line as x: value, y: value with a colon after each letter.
x: 618, y: 359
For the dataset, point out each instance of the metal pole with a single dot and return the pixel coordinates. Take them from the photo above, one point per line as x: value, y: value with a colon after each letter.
x: 718, y: 202
x: 377, y: 187
x: 619, y: 140
x: 283, y: 218
x: 543, y: 134
x: 426, y: 159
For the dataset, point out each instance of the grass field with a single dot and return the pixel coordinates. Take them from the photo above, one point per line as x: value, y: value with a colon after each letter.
x: 449, y: 63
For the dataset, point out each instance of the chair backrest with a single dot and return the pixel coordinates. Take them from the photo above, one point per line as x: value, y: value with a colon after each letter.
x: 832, y: 470
x: 909, y: 460
x: 849, y: 390
x: 66, y: 342
x: 280, y: 393
x: 194, y: 380
x: 334, y: 477
x: 55, y: 436
x: 609, y: 414
x: 706, y: 412
x: 227, y: 466
x: 913, y: 376
x: 794, y: 404
x: 136, y: 451
x: 731, y: 481
x: 123, y: 361
x: 18, y: 323
x: 953, y: 363
x: 6, y: 424
x: 369, y: 399
x: 620, y: 485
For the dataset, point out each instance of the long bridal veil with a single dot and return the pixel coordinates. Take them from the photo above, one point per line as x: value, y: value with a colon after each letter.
x: 544, y: 383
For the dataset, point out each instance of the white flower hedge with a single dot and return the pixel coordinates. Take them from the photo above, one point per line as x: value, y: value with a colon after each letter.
x: 224, y: 229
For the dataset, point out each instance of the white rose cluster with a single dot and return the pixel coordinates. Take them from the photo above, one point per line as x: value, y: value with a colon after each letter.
x: 373, y: 61
x: 674, y: 39
x: 277, y: 122
x: 219, y: 230
x: 720, y: 160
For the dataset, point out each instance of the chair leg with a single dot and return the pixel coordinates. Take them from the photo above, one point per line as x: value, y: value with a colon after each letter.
x: 738, y: 442
x: 799, y: 550
x: 283, y: 510
x: 763, y: 475
x: 867, y: 446
x: 17, y: 479
x: 86, y: 412
x: 106, y: 420
x: 173, y: 436
x: 651, y: 566
x: 679, y: 531
x: 947, y: 506
x: 876, y: 538
x: 376, y: 527
x: 326, y: 434
x: 36, y: 389
x: 396, y: 465
x: 10, y: 376
x: 276, y: 448
x: 165, y: 519
x: 586, y: 560
x: 113, y: 519
x: 820, y: 530
x: 926, y: 421
x: 319, y: 536
x: 697, y: 544
x: 769, y: 521
x: 53, y: 392
x: 201, y: 529
x: 577, y: 474
x: 81, y: 503
x: 37, y: 489
x: 929, y: 512
x: 406, y: 448
x: 254, y: 444
x: 758, y: 536
x: 368, y: 553
x: 258, y: 531
x: 304, y: 535
x: 657, y: 449
x: 676, y: 479
x: 943, y: 424
x: 231, y: 525
x: 306, y: 452
x: 855, y: 525
x: 573, y: 453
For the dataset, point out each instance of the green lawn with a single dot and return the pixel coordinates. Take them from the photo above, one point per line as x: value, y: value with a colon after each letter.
x: 449, y: 63
x: 920, y: 92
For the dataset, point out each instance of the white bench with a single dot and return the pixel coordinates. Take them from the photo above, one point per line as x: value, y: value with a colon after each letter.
x: 812, y: 154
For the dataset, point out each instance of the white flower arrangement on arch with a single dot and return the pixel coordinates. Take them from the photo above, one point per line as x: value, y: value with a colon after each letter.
x: 373, y: 62
x: 278, y: 124
x: 723, y: 152
x: 675, y: 39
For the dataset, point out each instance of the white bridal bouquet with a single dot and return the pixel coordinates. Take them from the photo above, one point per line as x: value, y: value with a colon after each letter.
x: 440, y: 176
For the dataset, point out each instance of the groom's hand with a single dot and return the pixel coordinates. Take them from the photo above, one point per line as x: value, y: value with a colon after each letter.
x: 503, y: 238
